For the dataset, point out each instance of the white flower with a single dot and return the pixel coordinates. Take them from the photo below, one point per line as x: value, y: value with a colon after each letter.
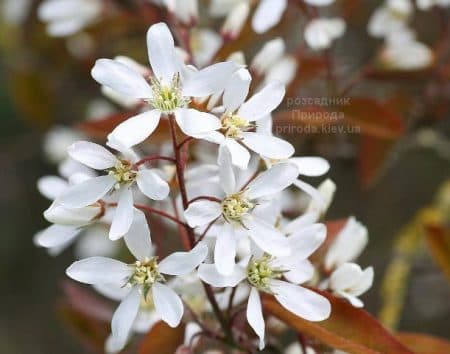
x: 121, y: 175
x: 268, y: 55
x: 268, y: 14
x: 144, y: 279
x: 319, y: 2
x: 350, y: 281
x: 185, y: 10
x: 284, y: 71
x: 171, y: 88
x: 56, y: 142
x: 320, y: 33
x: 390, y: 18
x: 235, y: 21
x: 66, y: 17
x: 348, y: 244
x: 403, y: 52
x: 428, y: 4
x: 238, y: 122
x: 204, y: 45
x: 296, y: 348
x: 236, y: 212
x: 264, y: 273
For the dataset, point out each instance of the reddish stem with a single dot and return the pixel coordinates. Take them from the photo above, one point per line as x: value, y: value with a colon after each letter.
x: 162, y: 213
x: 154, y: 158
x: 205, y: 197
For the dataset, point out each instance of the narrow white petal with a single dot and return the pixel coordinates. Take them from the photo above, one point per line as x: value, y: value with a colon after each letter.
x: 121, y: 78
x: 351, y: 298
x: 300, y: 222
x: 182, y: 263
x: 273, y: 180
x: 308, y: 239
x: 99, y: 270
x: 239, y: 154
x: 138, y: 239
x: 56, y: 235
x: 124, y: 317
x: 237, y: 90
x: 87, y: 193
x: 209, y: 274
x: 168, y: 304
x: 152, y: 185
x: 209, y: 80
x: 255, y: 316
x: 268, y: 14
x: 202, y: 212
x: 268, y: 238
x: 123, y: 217
x: 193, y: 122
x: 263, y: 102
x: 300, y: 301
x: 268, y: 146
x: 225, y: 250
x: 92, y: 155
x: 136, y: 129
x: 311, y: 166
x: 226, y: 172
x: 161, y: 52
x: 52, y: 187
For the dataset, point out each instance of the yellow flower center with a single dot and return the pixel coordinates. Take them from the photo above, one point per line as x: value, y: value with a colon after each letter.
x: 123, y: 173
x: 260, y: 272
x: 167, y: 98
x: 236, y: 206
x: 233, y: 125
x: 145, y: 273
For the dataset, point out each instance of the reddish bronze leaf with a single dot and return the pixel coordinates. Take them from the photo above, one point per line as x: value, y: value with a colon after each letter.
x: 424, y: 344
x: 349, y: 329
x: 162, y: 339
x: 374, y: 118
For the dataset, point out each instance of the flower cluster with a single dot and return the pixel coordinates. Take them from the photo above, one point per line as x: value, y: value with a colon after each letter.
x: 229, y: 203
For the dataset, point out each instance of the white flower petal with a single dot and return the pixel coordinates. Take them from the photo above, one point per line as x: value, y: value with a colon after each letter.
x: 182, y: 263
x: 319, y: 2
x: 93, y: 155
x: 255, y: 316
x: 300, y: 301
x: 59, y: 214
x: 168, y: 304
x: 121, y: 78
x: 302, y: 221
x: 263, y: 102
x: 87, y: 192
x: 209, y: 274
x: 351, y: 298
x: 138, y: 239
x: 272, y: 181
x: 202, y: 212
x: 136, y: 129
x: 348, y: 244
x: 237, y: 90
x: 225, y: 250
x: 268, y: 146
x: 209, y: 80
x: 99, y: 270
x: 300, y: 272
x: 152, y: 185
x: 161, y: 52
x: 308, y: 239
x: 239, y: 154
x: 312, y: 192
x: 56, y: 235
x: 268, y: 238
x: 311, y: 166
x: 123, y: 217
x: 226, y: 173
x: 51, y: 187
x: 365, y: 282
x: 193, y: 122
x: 123, y: 318
x: 268, y: 14
x: 345, y: 276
